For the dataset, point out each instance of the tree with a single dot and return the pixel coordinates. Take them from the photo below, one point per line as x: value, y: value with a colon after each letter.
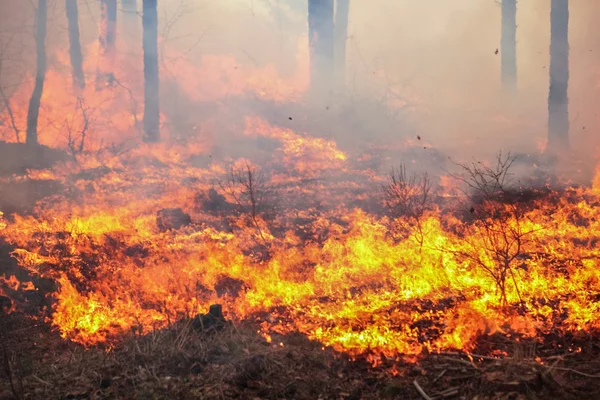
x: 33, y: 111
x: 75, y: 45
x: 558, y: 101
x: 108, y: 35
x: 342, y: 10
x: 509, y: 45
x: 321, y: 44
x: 151, y: 79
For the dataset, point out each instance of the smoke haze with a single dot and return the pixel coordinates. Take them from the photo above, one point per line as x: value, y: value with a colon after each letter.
x: 415, y: 68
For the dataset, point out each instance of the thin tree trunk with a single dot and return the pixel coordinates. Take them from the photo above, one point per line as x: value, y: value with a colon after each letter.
x: 342, y: 10
x: 75, y: 45
x: 151, y: 79
x: 509, y: 45
x: 558, y: 101
x: 321, y: 44
x: 108, y: 36
x: 33, y: 111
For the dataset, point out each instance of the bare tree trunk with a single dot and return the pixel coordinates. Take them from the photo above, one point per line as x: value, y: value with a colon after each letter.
x: 151, y: 79
x: 342, y: 10
x: 558, y: 101
x: 75, y: 45
x: 321, y: 44
x: 108, y: 36
x: 509, y: 45
x: 33, y: 111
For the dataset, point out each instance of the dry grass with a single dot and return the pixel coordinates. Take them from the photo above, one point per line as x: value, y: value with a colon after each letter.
x: 236, y: 363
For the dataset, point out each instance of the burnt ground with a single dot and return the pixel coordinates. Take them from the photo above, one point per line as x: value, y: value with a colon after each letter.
x: 236, y: 363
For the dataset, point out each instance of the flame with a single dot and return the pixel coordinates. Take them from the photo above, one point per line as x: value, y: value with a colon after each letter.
x: 338, y: 275
x: 315, y: 261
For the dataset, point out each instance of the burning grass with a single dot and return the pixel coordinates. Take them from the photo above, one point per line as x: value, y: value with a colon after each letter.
x: 391, y: 277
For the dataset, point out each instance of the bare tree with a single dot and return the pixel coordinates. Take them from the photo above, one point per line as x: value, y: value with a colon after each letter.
x: 107, y: 40
x: 509, y: 45
x: 321, y: 44
x: 33, y: 111
x: 151, y: 78
x: 499, y: 237
x: 558, y: 101
x: 75, y: 45
x: 342, y: 11
x: 248, y: 187
x: 408, y: 198
x: 5, y: 97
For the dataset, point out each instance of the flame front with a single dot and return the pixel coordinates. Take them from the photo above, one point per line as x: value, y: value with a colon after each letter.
x: 335, y: 273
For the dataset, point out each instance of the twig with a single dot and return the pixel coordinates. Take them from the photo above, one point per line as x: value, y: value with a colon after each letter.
x: 578, y: 372
x: 421, y: 391
x: 453, y: 391
x: 41, y: 380
x: 437, y: 378
x: 8, y: 370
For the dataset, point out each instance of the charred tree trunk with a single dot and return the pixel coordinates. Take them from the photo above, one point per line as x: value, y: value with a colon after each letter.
x: 509, y: 45
x: 151, y: 79
x: 108, y: 36
x: 33, y: 111
x: 75, y: 45
x: 558, y: 101
x: 342, y: 10
x: 321, y: 44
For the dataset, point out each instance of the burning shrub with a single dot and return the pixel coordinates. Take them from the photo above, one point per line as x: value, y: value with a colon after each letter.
x: 500, y: 232
x: 247, y: 187
x: 408, y: 198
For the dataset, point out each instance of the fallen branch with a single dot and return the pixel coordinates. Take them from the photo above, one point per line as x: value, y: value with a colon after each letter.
x: 421, y: 391
x: 578, y: 372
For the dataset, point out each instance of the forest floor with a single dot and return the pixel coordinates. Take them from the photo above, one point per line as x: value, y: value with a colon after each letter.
x: 179, y: 363
x: 237, y: 363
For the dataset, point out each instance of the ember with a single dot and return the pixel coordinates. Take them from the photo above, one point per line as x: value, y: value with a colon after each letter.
x: 378, y: 263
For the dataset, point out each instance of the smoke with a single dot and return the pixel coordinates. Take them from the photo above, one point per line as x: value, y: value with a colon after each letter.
x: 425, y: 69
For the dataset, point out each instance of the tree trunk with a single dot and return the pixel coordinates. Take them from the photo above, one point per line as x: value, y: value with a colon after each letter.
x: 342, y: 11
x: 151, y: 80
x: 108, y: 36
x: 509, y: 45
x: 75, y: 45
x: 558, y: 101
x: 321, y: 44
x: 33, y: 111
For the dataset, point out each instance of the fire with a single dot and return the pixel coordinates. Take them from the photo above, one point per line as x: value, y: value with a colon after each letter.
x: 308, y: 256
x: 338, y: 275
